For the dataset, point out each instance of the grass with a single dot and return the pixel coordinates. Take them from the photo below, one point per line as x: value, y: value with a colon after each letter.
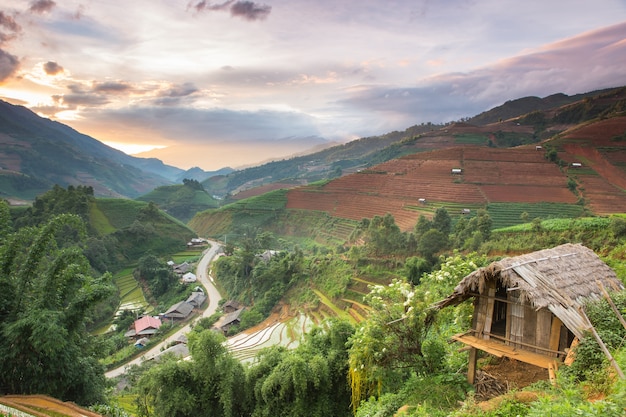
x: 99, y: 221
x: 560, y: 225
x: 510, y: 214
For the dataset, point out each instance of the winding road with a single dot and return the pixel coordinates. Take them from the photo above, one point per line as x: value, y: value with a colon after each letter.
x: 213, y: 296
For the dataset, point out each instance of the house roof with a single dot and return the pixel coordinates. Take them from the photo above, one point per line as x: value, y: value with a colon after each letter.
x: 179, y: 310
x: 196, y: 298
x: 232, y: 317
x: 231, y: 304
x: 559, y: 279
x: 181, y: 351
x: 145, y: 324
x: 189, y: 277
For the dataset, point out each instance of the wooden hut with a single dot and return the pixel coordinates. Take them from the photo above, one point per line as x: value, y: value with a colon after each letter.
x: 529, y: 307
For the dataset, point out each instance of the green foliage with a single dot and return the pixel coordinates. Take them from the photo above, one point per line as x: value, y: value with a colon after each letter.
x: 442, y: 221
x: 589, y: 357
x: 307, y: 381
x: 57, y: 201
x: 470, y: 139
x: 159, y: 276
x: 509, y: 214
x: 181, y: 201
x: 47, y: 293
x: 213, y: 385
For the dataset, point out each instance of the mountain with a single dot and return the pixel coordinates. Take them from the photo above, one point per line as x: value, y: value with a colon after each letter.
x: 37, y: 153
x: 506, y: 168
x: 516, y: 122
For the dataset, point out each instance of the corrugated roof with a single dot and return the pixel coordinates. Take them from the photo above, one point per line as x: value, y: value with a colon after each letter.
x: 146, y: 322
x: 560, y: 279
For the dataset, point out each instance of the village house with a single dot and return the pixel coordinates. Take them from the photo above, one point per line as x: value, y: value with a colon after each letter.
x: 145, y: 326
x: 230, y: 306
x: 529, y: 307
x: 229, y: 320
x: 196, y: 298
x: 179, y: 311
x: 181, y: 269
x: 189, y: 277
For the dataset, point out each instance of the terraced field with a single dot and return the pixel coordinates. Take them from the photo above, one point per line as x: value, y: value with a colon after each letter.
x: 245, y: 346
x: 489, y: 178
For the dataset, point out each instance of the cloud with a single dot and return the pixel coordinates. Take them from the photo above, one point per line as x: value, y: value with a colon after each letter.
x: 52, y: 68
x: 8, y: 65
x: 247, y: 10
x: 206, y: 126
x: 583, y: 63
x: 41, y: 6
x: 72, y: 101
x: 250, y: 10
x: 111, y: 87
x: 8, y: 23
x: 206, y: 5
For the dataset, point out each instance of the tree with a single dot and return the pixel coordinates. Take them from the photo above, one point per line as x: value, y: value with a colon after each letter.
x: 431, y: 243
x: 6, y: 225
x: 442, y: 221
x: 212, y: 385
x: 46, y: 295
x: 388, y: 346
x: 307, y: 381
x: 422, y: 226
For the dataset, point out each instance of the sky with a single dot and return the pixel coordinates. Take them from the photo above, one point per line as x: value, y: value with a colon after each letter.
x: 236, y: 83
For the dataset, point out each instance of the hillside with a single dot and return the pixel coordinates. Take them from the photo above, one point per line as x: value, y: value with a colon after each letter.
x: 503, y: 168
x: 181, y: 201
x: 516, y: 122
x: 37, y: 153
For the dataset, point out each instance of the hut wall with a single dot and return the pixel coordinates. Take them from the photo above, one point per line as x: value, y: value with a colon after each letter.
x: 517, y: 320
x: 544, y: 328
x: 530, y: 327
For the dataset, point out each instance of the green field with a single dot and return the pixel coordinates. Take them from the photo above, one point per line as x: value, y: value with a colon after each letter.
x: 509, y: 214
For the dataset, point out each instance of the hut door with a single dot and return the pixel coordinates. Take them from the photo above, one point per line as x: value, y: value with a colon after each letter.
x: 498, y: 326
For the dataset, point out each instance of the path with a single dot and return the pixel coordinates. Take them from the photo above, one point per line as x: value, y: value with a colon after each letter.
x: 213, y: 296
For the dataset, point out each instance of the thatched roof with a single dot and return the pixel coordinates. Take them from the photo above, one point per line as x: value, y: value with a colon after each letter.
x: 559, y: 279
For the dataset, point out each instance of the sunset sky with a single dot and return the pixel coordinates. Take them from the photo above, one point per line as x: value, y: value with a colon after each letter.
x: 234, y: 83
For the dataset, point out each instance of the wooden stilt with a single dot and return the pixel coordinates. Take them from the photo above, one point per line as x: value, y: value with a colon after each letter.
x: 471, y: 369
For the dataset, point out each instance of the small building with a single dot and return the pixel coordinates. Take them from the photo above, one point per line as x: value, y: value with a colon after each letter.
x: 456, y: 171
x: 189, y: 277
x: 229, y: 320
x: 179, y: 311
x: 182, y: 268
x: 145, y: 326
x: 171, y: 263
x: 230, y: 306
x: 528, y: 307
x: 538, y: 147
x: 576, y: 165
x: 422, y: 200
x: 466, y: 211
x: 196, y: 299
x: 179, y: 350
x: 197, y: 241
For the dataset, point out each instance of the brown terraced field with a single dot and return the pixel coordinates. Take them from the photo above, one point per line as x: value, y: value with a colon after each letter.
x: 489, y: 175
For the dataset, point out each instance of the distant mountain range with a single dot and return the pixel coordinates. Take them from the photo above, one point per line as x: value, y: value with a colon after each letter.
x: 36, y: 153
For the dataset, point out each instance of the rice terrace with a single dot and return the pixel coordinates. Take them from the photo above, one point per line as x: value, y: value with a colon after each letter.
x: 492, y: 178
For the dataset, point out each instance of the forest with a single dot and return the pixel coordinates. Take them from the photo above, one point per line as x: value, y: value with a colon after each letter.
x: 396, y: 356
